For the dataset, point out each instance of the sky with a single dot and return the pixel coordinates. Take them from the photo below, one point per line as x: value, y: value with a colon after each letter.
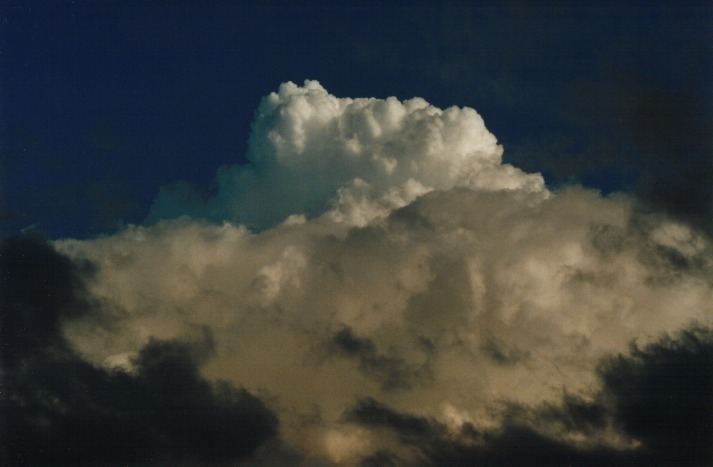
x: 434, y: 233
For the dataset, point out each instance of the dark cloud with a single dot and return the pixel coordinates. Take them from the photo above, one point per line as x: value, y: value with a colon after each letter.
x: 671, y: 130
x: 371, y: 413
x: 575, y: 414
x: 39, y: 289
x: 645, y: 131
x: 347, y: 342
x: 59, y: 409
x: 521, y: 445
x: 392, y: 372
x: 502, y: 353
x: 513, y: 444
x: 380, y: 459
x: 661, y: 396
x: 613, y: 96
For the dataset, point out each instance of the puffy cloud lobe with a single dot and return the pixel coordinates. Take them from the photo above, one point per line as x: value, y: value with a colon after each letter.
x: 310, y: 150
x: 60, y: 409
x: 440, y: 289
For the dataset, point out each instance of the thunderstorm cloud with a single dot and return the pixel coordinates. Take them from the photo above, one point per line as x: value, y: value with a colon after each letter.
x: 376, y: 287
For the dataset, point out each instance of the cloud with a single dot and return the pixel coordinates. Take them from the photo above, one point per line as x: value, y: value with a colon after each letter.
x: 57, y: 408
x: 309, y: 150
x: 392, y: 371
x: 39, y: 289
x: 425, y: 303
x: 575, y: 92
x: 369, y: 412
x: 660, y: 395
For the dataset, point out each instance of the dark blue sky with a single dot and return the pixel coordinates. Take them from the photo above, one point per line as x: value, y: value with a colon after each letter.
x: 105, y: 102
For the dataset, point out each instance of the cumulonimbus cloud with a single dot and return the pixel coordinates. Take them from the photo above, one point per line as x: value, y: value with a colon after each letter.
x: 394, y: 293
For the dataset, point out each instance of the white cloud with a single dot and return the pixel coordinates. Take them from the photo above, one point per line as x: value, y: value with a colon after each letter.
x: 309, y: 150
x: 459, y: 276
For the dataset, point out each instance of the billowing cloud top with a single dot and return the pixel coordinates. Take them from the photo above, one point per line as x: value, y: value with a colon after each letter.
x: 310, y: 151
x: 395, y: 295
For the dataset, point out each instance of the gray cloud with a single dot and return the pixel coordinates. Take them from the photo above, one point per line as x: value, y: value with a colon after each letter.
x: 660, y: 395
x: 422, y: 275
x: 57, y: 408
x: 391, y: 371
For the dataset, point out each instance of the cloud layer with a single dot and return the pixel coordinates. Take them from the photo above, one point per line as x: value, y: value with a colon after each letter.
x: 395, y: 295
